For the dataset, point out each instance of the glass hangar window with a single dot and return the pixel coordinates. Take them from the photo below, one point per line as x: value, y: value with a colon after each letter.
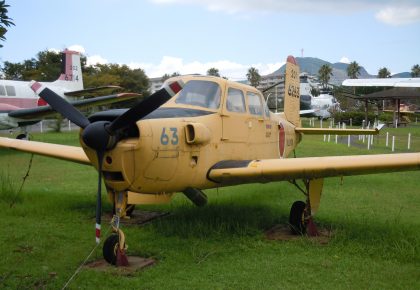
x: 204, y: 94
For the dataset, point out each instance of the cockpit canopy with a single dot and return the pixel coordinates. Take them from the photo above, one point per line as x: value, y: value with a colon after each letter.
x: 200, y: 93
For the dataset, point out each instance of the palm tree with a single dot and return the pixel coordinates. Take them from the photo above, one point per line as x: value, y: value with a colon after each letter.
x: 213, y: 72
x: 353, y: 70
x: 324, y: 74
x: 384, y: 73
x: 5, y: 21
x: 253, y: 76
x: 415, y: 71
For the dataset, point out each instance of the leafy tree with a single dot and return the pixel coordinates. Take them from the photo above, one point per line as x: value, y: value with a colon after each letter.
x: 353, y: 70
x: 415, y: 71
x: 213, y: 72
x: 384, y: 73
x: 165, y: 77
x: 5, y: 21
x: 324, y: 74
x: 253, y: 76
x: 132, y: 80
x: 45, y: 67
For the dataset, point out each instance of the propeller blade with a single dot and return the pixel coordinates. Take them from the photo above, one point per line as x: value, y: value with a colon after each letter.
x: 59, y: 104
x: 146, y: 106
x: 100, y: 156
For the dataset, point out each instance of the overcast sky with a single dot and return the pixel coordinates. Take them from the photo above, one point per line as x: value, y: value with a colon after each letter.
x: 190, y: 36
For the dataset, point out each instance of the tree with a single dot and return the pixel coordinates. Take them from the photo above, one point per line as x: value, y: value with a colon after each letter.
x: 253, y: 76
x: 45, y: 67
x: 384, y: 73
x: 5, y: 21
x: 324, y: 74
x: 353, y: 70
x: 213, y: 72
x: 415, y: 71
x: 165, y: 77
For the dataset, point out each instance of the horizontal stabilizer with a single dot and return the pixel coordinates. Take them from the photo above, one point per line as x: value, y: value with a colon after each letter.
x: 333, y: 131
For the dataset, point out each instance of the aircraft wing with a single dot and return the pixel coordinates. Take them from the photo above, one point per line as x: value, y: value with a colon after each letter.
x: 250, y: 171
x: 90, y: 91
x: 44, y: 111
x: 65, y: 152
x: 388, y: 82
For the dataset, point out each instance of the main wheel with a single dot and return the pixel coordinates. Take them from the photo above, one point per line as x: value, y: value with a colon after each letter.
x: 297, y: 218
x: 22, y: 136
x: 110, y: 247
x: 129, y: 209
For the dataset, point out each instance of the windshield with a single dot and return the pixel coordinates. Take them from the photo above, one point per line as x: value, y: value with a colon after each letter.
x: 200, y: 93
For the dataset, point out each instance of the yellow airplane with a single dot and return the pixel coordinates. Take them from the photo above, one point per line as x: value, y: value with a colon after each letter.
x: 201, y: 132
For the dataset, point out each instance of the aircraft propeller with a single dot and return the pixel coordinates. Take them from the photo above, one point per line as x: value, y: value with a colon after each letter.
x: 104, y: 135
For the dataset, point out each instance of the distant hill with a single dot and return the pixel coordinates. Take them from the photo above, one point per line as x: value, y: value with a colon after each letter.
x: 311, y: 65
x: 402, y: 75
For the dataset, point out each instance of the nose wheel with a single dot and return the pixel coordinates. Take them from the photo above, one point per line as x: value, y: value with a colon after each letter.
x: 114, y: 249
x: 114, y: 246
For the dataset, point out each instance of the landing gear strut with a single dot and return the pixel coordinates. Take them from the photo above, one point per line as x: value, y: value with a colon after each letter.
x: 114, y: 246
x: 301, y: 213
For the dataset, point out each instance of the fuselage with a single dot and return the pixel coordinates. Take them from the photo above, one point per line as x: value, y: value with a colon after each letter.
x: 209, y: 121
x: 15, y: 95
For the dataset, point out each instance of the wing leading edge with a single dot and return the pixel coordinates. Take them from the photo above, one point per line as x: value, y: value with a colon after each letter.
x: 65, y: 152
x: 249, y: 171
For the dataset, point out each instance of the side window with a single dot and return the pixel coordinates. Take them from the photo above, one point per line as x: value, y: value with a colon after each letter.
x: 254, y: 104
x: 266, y: 109
x: 235, y: 101
x: 10, y: 91
x: 2, y: 91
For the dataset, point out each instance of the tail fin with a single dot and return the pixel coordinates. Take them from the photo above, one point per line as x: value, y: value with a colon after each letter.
x: 292, y: 92
x: 71, y: 71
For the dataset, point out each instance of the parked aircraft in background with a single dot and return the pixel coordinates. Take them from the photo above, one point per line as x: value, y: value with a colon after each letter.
x: 20, y: 106
x: 322, y: 105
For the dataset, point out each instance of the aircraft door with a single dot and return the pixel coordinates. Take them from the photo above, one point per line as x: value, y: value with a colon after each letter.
x: 259, y: 125
x: 234, y: 117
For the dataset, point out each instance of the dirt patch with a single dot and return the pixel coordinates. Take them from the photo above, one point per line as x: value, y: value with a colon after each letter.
x: 135, y: 264
x: 283, y: 233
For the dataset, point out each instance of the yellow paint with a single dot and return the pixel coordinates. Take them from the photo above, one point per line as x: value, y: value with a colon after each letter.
x: 315, y: 190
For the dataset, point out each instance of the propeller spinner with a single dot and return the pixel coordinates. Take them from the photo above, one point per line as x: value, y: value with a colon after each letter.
x: 104, y: 135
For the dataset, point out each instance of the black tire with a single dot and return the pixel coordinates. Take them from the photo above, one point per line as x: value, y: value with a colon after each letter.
x: 297, y: 218
x: 129, y: 210
x: 109, y: 249
x: 22, y: 136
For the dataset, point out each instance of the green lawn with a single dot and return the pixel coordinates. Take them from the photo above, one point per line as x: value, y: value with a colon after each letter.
x: 375, y: 221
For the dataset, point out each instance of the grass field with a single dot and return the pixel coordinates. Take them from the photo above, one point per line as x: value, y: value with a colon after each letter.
x: 375, y: 222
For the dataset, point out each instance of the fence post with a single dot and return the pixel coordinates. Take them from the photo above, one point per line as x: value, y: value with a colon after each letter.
x: 393, y: 143
x: 386, y: 140
x: 409, y: 141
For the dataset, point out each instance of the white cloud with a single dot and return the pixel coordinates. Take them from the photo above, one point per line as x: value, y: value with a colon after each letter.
x: 387, y: 11
x: 77, y: 47
x: 229, y: 69
x: 95, y: 59
x: 399, y: 15
x: 344, y: 59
